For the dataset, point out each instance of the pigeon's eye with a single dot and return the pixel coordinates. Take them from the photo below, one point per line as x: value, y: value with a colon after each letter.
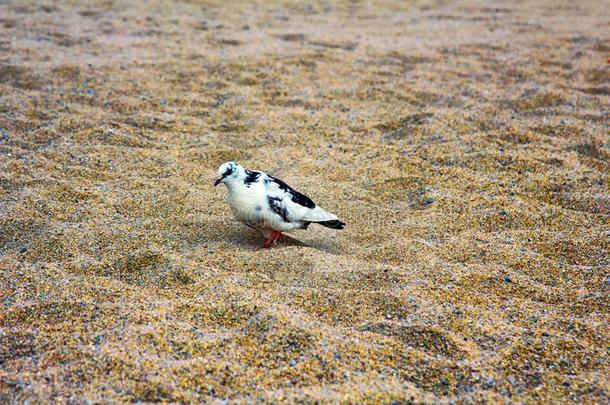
x: 227, y: 172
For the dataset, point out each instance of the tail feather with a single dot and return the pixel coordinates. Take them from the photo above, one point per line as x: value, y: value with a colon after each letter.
x: 334, y: 224
x: 318, y: 214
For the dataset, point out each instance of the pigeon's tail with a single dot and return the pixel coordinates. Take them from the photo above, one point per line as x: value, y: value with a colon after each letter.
x: 334, y: 224
x: 319, y: 216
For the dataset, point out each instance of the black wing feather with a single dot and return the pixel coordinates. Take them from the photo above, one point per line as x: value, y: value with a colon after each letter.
x: 251, y: 177
x: 277, y: 206
x: 295, y: 196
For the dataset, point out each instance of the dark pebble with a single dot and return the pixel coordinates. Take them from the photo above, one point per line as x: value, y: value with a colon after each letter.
x: 489, y: 383
x: 23, y: 250
x: 292, y: 363
x: 91, y: 92
x: 507, y: 279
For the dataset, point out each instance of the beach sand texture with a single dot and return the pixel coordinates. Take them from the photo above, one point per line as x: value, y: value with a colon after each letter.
x: 465, y: 144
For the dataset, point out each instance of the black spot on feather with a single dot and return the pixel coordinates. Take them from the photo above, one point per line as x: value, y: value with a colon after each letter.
x: 295, y: 196
x: 277, y: 206
x: 228, y: 171
x: 251, y: 177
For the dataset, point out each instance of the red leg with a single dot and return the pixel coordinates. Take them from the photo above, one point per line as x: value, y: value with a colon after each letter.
x: 275, y: 235
x: 269, y: 240
x: 278, y: 236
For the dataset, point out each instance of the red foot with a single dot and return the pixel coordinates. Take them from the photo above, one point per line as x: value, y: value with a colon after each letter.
x: 275, y: 235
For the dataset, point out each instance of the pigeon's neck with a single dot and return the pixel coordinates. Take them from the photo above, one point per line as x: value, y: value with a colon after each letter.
x: 234, y: 185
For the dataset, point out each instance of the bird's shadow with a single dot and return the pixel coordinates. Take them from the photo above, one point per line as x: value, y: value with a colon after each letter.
x: 253, y: 239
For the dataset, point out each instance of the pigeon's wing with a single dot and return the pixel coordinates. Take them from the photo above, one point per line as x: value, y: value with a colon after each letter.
x: 298, y: 207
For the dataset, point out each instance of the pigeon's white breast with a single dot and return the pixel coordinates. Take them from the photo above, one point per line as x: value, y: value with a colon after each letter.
x: 244, y: 201
x: 250, y: 205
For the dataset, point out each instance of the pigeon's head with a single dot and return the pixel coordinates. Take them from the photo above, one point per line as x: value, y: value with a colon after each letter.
x: 229, y: 172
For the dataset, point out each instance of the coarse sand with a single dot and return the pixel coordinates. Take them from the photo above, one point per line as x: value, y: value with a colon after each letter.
x: 466, y: 144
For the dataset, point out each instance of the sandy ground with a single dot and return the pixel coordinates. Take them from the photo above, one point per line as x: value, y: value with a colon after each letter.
x: 466, y: 145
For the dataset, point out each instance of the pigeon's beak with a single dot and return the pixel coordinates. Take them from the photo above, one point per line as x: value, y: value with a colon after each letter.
x: 218, y: 181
